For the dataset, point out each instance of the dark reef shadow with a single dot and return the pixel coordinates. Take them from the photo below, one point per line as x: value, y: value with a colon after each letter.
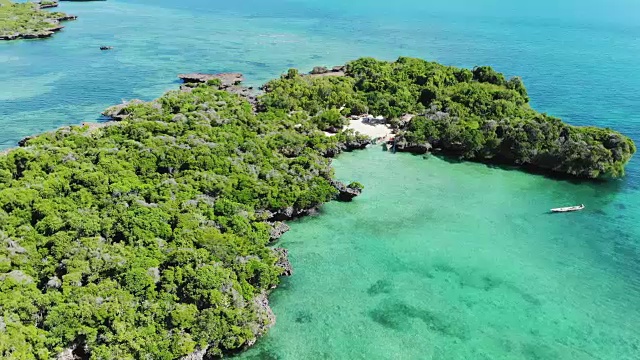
x: 395, y: 316
x: 380, y: 287
x: 610, y: 184
x: 103, y: 119
x: 304, y: 317
x: 620, y: 206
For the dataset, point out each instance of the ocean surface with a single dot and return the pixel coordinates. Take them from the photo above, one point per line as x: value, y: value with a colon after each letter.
x: 437, y: 259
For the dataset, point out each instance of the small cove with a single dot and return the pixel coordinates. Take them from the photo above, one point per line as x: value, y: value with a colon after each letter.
x: 457, y: 261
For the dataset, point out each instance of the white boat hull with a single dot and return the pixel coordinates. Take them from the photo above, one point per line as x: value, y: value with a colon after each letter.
x: 568, y: 209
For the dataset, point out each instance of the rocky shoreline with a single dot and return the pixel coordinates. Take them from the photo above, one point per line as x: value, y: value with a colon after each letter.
x: 274, y: 218
x: 51, y: 19
x: 231, y: 82
x: 320, y: 71
x: 47, y: 4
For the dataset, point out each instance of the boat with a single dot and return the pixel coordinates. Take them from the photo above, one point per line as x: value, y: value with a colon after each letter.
x: 569, y: 208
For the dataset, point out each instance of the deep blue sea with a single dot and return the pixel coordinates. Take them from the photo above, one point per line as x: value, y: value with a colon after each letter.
x: 435, y: 260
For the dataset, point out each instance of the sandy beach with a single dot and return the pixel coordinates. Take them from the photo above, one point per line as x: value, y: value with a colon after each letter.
x: 369, y: 129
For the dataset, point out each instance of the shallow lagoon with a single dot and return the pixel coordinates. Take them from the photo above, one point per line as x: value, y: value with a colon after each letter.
x: 459, y: 261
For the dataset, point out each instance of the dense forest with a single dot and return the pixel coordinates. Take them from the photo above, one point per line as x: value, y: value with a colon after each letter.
x: 149, y: 238
x: 473, y: 114
x: 27, y: 20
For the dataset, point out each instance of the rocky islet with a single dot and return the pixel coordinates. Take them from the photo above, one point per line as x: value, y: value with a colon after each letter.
x: 29, y: 21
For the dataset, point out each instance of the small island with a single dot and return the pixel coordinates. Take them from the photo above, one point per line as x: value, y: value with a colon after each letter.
x: 46, y: 4
x: 474, y: 114
x: 29, y: 21
x: 151, y: 236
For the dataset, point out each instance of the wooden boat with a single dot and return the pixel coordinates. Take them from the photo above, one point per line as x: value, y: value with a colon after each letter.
x: 569, y: 208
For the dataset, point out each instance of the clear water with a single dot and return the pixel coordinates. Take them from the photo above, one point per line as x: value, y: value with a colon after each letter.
x: 435, y: 260
x: 459, y: 261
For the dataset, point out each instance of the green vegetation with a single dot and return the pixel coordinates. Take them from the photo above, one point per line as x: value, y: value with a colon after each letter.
x: 356, y: 185
x: 474, y: 114
x: 330, y: 119
x: 27, y: 20
x: 147, y: 238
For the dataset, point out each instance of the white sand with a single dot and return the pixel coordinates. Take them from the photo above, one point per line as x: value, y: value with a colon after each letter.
x: 370, y: 130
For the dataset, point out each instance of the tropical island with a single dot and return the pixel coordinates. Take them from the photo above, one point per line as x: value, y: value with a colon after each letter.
x: 28, y: 20
x: 152, y: 236
x: 470, y: 114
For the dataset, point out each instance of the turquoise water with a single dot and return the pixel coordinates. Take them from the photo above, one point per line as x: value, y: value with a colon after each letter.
x: 435, y: 260
x: 459, y: 261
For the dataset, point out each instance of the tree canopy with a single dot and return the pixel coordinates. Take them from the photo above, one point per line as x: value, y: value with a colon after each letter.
x: 148, y: 238
x: 475, y: 114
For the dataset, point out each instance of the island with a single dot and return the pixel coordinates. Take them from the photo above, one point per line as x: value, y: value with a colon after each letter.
x: 152, y: 235
x: 28, y: 21
x: 46, y: 4
x: 472, y: 114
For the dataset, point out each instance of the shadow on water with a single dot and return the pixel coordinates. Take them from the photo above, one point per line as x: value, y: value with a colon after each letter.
x: 380, y: 287
x: 103, y: 119
x: 620, y: 206
x: 285, y: 284
x: 609, y: 184
x: 397, y: 315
